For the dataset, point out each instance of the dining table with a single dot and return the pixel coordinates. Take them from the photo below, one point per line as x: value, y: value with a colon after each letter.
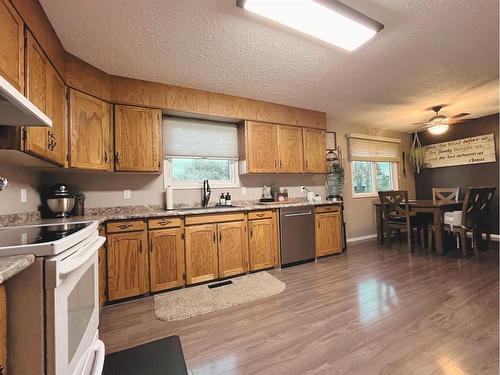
x: 435, y: 207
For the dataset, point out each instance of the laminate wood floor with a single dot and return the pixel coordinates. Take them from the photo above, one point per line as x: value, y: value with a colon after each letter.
x: 372, y: 310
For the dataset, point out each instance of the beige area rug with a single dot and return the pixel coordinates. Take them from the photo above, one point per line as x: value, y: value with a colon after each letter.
x: 198, y: 300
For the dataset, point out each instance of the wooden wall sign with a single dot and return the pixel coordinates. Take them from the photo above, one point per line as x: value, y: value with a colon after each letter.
x: 473, y: 150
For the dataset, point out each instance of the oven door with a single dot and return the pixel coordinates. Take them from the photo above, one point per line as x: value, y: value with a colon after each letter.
x: 72, y: 308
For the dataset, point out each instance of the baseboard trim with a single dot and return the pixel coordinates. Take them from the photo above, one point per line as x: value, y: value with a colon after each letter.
x: 363, y: 238
x: 494, y: 237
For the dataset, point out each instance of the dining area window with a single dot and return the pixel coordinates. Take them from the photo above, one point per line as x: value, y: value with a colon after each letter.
x: 374, y: 164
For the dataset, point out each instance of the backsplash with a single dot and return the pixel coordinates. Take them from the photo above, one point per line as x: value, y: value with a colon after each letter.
x: 106, y: 190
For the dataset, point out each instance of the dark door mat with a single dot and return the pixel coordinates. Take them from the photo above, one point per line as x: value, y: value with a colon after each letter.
x: 161, y: 357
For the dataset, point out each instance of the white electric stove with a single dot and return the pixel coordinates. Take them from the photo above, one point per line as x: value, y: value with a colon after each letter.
x: 54, y: 304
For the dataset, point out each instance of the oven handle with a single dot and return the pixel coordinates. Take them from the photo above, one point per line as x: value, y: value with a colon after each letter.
x: 79, y: 257
x: 98, y: 365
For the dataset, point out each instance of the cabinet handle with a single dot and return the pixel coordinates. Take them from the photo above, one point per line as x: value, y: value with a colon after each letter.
x: 251, y: 232
x: 49, y: 145
x: 151, y: 245
x: 220, y: 236
x: 105, y: 156
x: 117, y: 158
x: 275, y: 163
x: 260, y: 215
x: 163, y: 222
x: 307, y: 165
x: 140, y: 246
x: 214, y: 237
x: 124, y: 226
x: 54, y: 143
x: 281, y: 164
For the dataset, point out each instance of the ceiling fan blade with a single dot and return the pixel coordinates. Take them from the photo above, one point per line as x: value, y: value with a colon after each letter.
x: 459, y: 115
x: 419, y: 124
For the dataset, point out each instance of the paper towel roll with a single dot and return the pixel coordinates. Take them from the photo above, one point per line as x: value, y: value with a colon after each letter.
x: 169, y: 198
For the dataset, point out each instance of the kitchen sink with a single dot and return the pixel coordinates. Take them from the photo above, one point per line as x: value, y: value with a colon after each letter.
x: 206, y: 208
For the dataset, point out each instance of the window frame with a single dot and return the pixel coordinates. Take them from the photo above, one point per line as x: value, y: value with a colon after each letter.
x: 394, y: 172
x: 234, y: 181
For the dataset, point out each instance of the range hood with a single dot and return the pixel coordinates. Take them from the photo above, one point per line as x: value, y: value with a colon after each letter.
x: 16, y: 110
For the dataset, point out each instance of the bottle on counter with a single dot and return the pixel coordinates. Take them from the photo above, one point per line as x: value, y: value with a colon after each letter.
x: 222, y: 200
x: 228, y: 199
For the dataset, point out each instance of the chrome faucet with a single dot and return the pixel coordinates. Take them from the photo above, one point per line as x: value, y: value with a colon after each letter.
x: 206, y: 193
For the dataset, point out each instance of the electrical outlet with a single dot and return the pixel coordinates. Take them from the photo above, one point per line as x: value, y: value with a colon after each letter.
x: 303, y: 189
x: 126, y: 194
x: 243, y: 190
x: 24, y: 196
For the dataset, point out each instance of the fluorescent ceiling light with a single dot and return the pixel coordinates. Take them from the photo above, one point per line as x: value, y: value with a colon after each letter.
x: 330, y: 21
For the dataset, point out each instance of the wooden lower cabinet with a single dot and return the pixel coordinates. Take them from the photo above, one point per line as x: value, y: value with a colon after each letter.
x: 166, y: 259
x: 127, y: 265
x: 233, y: 250
x: 328, y: 233
x: 102, y: 275
x: 262, y: 243
x: 201, y: 253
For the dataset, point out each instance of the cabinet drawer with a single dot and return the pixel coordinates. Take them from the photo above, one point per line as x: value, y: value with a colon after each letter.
x: 125, y: 226
x: 332, y: 208
x: 210, y: 219
x: 164, y: 222
x: 254, y: 215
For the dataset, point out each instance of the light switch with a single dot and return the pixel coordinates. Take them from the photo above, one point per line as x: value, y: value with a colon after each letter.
x: 126, y: 194
x: 243, y: 190
x: 24, y: 196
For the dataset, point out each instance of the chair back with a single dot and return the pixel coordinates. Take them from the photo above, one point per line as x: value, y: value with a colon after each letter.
x: 476, y: 207
x: 445, y: 194
x: 394, y: 203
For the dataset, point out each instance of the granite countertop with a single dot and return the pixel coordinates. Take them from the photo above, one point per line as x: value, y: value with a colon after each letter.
x: 12, y: 265
x: 134, y: 212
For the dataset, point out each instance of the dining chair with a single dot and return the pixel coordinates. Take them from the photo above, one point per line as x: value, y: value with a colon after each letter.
x: 473, y: 219
x: 396, y: 215
x: 445, y: 194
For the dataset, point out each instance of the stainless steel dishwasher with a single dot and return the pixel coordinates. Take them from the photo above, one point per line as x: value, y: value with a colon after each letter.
x: 297, y: 235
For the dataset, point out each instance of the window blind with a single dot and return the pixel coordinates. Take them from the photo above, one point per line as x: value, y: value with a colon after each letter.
x: 366, y: 148
x: 187, y: 137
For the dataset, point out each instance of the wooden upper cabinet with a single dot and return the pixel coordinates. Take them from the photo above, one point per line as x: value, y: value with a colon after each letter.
x: 201, y: 253
x: 56, y: 105
x: 37, y: 138
x: 166, y: 259
x: 328, y: 233
x: 314, y: 151
x: 89, y: 132
x: 233, y: 251
x: 138, y: 139
x: 127, y: 265
x: 261, y: 140
x: 262, y: 244
x: 12, y: 45
x: 290, y: 149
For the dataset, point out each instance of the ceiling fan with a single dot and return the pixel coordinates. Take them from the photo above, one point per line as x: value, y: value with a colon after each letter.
x: 439, y: 124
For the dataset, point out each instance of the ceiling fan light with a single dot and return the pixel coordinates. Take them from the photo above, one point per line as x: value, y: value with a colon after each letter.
x: 438, y: 129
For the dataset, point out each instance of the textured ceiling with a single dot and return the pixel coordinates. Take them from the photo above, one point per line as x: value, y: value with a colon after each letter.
x: 430, y: 52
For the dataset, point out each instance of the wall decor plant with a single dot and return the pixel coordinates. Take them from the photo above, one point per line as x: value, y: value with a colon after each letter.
x: 416, y: 156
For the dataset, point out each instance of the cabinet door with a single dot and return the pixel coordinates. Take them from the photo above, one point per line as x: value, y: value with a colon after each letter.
x: 37, y: 139
x: 102, y: 275
x: 233, y: 252
x: 261, y: 147
x: 138, y: 139
x: 262, y: 244
x: 328, y: 234
x: 89, y: 132
x: 314, y: 151
x: 56, y: 110
x: 127, y: 265
x: 12, y: 42
x: 290, y: 149
x: 166, y: 259
x: 201, y: 253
